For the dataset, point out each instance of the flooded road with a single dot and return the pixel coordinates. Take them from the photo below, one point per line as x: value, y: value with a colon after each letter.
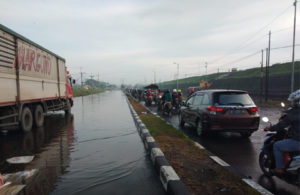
x: 96, y: 151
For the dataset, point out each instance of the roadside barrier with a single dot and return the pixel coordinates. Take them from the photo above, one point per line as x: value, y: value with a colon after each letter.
x: 168, y: 177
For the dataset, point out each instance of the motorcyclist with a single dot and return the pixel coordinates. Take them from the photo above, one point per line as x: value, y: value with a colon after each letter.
x: 292, y: 144
x: 174, y: 97
x: 192, y: 90
x: 167, y: 97
x: 180, y: 98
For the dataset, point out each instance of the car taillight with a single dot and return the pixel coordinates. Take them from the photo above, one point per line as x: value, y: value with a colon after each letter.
x: 254, y: 109
x: 214, y: 109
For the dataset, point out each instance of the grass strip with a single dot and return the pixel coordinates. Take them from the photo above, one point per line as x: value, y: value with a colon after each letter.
x: 198, y: 172
x: 82, y: 92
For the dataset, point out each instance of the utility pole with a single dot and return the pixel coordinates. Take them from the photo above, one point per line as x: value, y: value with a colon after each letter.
x: 293, y: 55
x: 206, y: 71
x: 261, y: 75
x: 269, y: 54
x: 92, y: 76
x: 81, y: 77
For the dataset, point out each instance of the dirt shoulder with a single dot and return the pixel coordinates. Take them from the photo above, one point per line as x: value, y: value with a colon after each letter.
x: 197, y: 171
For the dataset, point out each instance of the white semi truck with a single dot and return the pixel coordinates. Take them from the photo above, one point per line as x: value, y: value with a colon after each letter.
x: 33, y: 81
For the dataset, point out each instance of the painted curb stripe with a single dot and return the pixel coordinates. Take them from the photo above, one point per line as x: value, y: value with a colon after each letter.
x: 199, y: 146
x: 219, y: 161
x: 167, y: 174
x: 144, y: 131
x: 155, y: 152
x: 256, y: 186
x: 150, y: 139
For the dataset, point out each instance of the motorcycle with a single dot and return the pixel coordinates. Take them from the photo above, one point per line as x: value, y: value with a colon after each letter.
x: 148, y: 100
x: 291, y: 159
x: 176, y: 105
x: 167, y: 108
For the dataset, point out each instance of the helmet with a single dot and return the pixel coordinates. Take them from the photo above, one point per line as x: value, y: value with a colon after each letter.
x: 174, y: 90
x: 179, y: 90
x: 295, y: 97
x: 192, y: 89
x: 149, y: 89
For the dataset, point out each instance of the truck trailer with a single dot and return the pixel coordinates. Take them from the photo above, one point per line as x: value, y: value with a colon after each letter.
x: 33, y: 81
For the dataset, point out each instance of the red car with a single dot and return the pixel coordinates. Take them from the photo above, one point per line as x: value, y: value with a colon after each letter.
x: 220, y: 111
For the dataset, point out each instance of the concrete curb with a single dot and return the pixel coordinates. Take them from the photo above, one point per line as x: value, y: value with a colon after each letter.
x: 168, y: 177
x: 219, y: 161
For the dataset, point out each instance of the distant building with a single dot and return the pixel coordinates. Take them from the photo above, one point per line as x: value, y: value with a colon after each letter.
x: 234, y: 70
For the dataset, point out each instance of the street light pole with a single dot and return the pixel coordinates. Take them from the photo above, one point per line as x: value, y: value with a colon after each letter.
x: 293, y: 55
x: 206, y: 70
x: 177, y: 73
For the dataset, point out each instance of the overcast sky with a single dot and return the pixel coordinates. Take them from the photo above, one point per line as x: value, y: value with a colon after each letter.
x: 135, y: 40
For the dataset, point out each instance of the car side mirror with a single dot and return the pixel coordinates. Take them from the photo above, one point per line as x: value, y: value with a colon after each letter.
x: 73, y: 81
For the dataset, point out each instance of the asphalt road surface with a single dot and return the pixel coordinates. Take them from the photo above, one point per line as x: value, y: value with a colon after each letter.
x: 241, y: 154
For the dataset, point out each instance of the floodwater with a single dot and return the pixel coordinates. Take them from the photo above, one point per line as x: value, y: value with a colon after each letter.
x: 97, y: 150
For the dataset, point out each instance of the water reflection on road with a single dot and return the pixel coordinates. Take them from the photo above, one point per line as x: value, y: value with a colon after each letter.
x: 97, y: 150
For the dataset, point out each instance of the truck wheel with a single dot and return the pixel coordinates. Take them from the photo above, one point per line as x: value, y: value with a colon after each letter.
x: 26, y: 119
x: 68, y: 107
x: 38, y: 116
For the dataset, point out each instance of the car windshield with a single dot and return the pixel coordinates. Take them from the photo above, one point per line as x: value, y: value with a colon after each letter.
x: 240, y: 99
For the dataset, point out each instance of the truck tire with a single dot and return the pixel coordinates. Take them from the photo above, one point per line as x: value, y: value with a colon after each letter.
x: 38, y: 116
x: 68, y: 107
x: 26, y: 119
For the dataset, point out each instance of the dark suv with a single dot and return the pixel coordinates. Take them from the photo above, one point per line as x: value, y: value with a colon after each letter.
x: 220, y: 111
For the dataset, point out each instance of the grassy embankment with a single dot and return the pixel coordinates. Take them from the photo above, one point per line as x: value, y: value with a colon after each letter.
x: 248, y: 80
x: 82, y: 92
x: 198, y: 172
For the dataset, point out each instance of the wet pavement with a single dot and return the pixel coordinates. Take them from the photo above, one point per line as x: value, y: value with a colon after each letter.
x: 97, y: 150
x: 241, y: 154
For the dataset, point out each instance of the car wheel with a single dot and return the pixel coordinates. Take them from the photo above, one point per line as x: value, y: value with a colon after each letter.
x: 199, y: 128
x: 181, y: 121
x: 246, y: 134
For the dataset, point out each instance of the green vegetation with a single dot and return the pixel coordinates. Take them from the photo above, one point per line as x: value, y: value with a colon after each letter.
x: 276, y: 70
x: 82, y: 92
x: 157, y: 127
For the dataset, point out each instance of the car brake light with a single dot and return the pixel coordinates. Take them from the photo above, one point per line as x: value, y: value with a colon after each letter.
x: 214, y: 109
x: 254, y: 109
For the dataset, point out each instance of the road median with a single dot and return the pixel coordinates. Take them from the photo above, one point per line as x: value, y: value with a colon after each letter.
x: 198, y: 172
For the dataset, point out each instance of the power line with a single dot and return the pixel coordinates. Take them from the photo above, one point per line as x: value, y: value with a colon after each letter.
x: 254, y: 35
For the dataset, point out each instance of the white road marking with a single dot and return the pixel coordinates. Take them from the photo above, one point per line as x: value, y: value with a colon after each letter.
x: 219, y: 161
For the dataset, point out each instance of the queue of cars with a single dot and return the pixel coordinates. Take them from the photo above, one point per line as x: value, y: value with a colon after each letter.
x: 219, y: 110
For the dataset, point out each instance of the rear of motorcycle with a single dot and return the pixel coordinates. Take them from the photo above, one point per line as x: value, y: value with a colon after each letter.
x: 168, y: 108
x: 291, y: 159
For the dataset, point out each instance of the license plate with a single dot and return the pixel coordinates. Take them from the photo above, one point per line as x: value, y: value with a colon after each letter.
x: 241, y: 111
